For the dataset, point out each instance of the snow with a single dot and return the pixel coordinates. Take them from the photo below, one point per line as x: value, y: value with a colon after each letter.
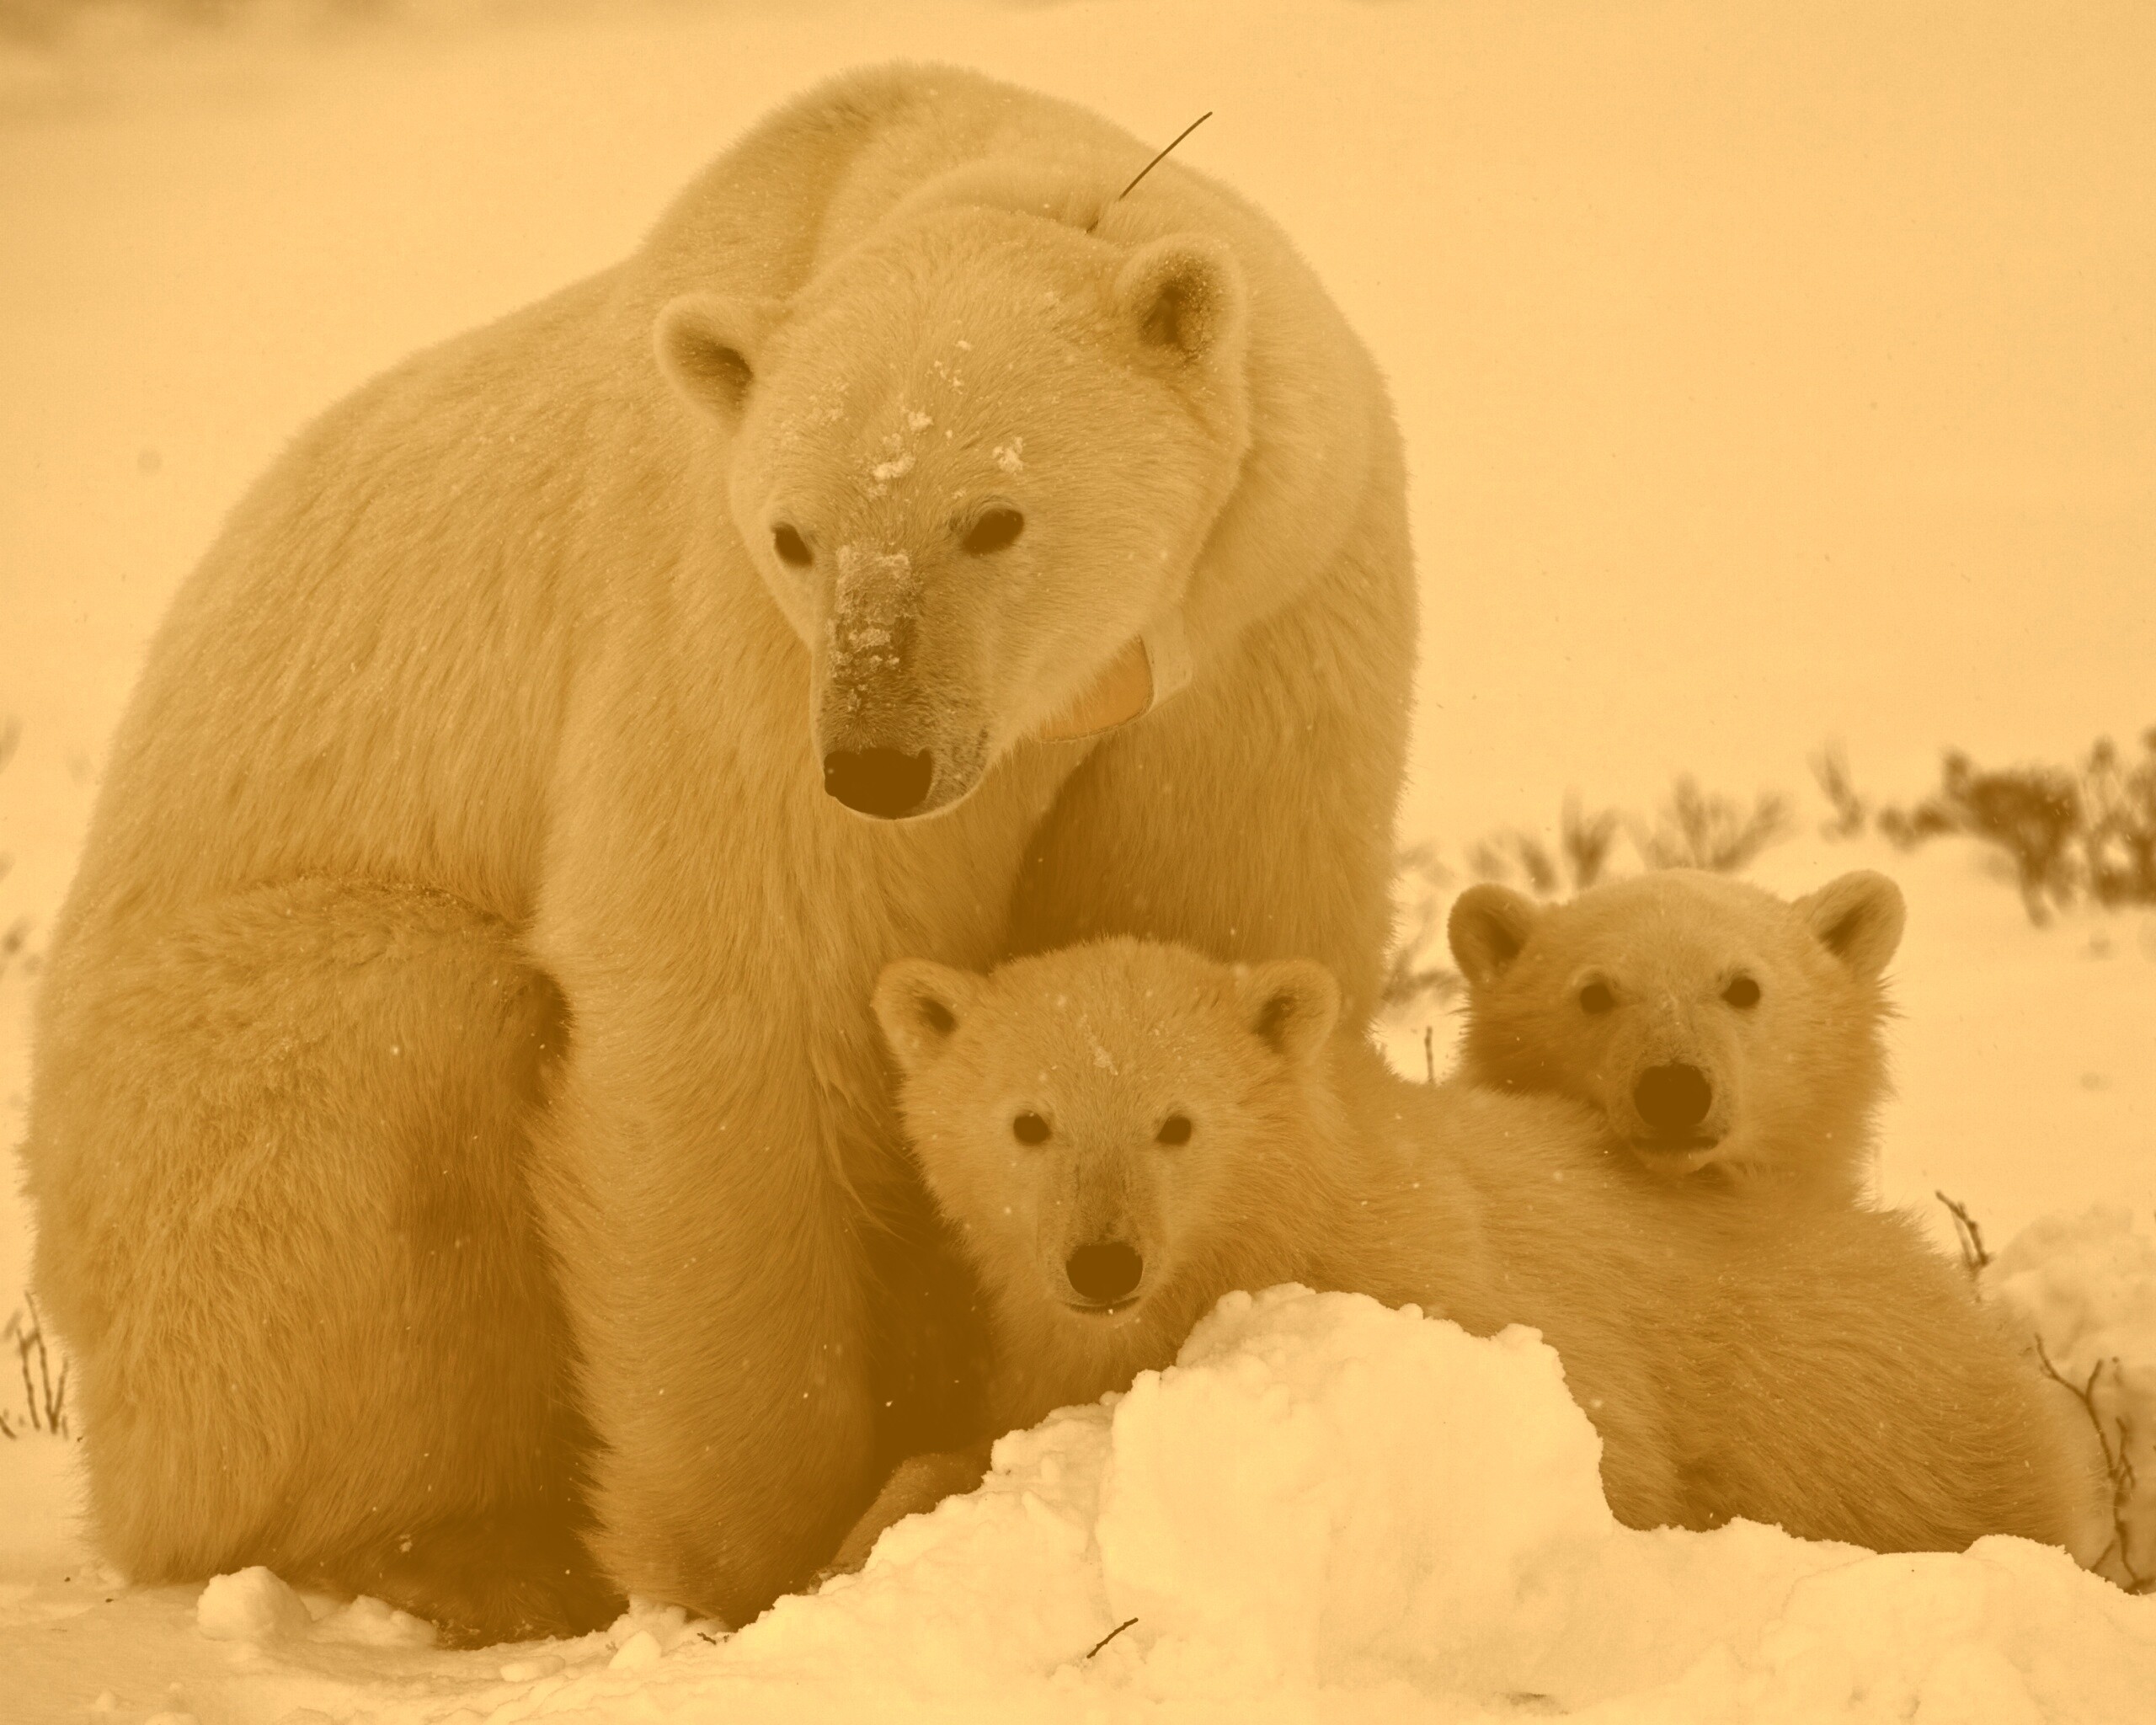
x: 251, y: 1606
x: 1754, y: 371
x: 1325, y: 1509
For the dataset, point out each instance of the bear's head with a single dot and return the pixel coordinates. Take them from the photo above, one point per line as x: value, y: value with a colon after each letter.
x: 973, y: 458
x: 1715, y: 1025
x: 1117, y: 1131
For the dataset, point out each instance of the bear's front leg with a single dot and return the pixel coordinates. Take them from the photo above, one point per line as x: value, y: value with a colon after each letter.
x: 712, y: 1270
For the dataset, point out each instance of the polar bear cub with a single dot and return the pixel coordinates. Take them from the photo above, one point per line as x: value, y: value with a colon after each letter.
x: 1123, y: 1132
x: 1724, y: 1035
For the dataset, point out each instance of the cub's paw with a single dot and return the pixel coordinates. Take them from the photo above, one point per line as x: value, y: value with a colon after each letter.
x: 916, y: 1485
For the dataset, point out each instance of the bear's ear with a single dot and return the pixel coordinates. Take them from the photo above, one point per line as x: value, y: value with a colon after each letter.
x: 920, y: 1005
x: 1289, y: 1006
x: 1858, y: 918
x: 707, y: 345
x: 1183, y: 296
x: 1488, y: 926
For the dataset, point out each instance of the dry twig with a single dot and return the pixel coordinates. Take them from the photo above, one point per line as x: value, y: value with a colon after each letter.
x: 1970, y: 1237
x: 2118, y: 1463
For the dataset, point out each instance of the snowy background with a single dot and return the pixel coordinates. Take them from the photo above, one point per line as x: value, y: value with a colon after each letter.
x: 1768, y: 376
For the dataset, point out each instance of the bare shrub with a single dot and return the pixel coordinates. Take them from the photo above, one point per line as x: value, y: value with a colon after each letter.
x: 1852, y: 813
x: 1587, y: 840
x: 1577, y: 861
x: 1516, y: 852
x: 45, y: 1395
x: 1967, y: 1234
x: 2114, y: 1437
x: 2114, y: 1430
x: 1417, y: 970
x: 2067, y: 832
x: 2118, y: 823
x: 2031, y: 812
x: 1700, y: 829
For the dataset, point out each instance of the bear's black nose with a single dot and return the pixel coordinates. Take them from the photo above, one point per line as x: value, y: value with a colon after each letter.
x: 879, y: 781
x: 1672, y: 1099
x: 1104, y: 1272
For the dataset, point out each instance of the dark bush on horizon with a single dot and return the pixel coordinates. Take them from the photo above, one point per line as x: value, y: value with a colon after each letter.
x: 2070, y: 832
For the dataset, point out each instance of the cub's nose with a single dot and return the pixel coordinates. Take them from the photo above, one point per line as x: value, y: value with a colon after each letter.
x: 1672, y: 1099
x: 1104, y: 1272
x: 879, y: 781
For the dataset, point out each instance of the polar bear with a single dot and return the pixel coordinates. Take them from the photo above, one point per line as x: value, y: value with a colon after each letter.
x: 1724, y: 1035
x: 1123, y: 1132
x: 464, y: 1166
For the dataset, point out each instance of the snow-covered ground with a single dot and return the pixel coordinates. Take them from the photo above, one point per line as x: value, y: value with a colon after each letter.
x: 1326, y: 1510
x: 1766, y: 377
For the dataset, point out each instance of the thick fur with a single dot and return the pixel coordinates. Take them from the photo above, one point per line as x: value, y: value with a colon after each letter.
x: 1650, y: 975
x: 1823, y: 1369
x: 456, y: 1034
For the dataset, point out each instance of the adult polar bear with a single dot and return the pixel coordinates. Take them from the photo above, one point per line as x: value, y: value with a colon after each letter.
x: 458, y: 1032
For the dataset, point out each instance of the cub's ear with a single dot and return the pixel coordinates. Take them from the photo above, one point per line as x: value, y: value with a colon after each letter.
x: 1858, y: 918
x: 707, y: 345
x: 1488, y: 926
x: 920, y: 1005
x: 1183, y: 296
x: 1289, y: 1006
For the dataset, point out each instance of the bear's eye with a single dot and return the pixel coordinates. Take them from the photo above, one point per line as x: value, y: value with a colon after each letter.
x: 1597, y: 999
x: 1743, y: 993
x: 791, y: 547
x: 1175, y: 1129
x: 993, y: 530
x: 1029, y: 1128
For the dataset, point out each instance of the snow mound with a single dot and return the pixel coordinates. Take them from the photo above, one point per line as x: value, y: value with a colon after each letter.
x: 254, y: 1605
x: 1328, y: 1505
x: 2086, y: 1286
x: 1290, y: 1491
x: 251, y: 1604
x: 1325, y: 1509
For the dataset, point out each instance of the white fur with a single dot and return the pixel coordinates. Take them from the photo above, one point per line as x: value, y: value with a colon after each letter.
x: 1823, y: 1368
x: 1795, y: 1072
x: 457, y: 1030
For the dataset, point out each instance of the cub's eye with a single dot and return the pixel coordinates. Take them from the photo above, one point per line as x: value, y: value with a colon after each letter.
x: 1175, y: 1129
x: 1029, y: 1128
x: 791, y: 547
x: 1742, y: 993
x: 1596, y: 999
x: 993, y: 530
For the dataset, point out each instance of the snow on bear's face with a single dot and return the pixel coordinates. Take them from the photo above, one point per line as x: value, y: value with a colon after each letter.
x: 972, y: 460
x: 1713, y: 1023
x: 1110, y: 1126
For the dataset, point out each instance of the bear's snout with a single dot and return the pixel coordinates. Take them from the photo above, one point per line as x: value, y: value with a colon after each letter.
x: 1105, y: 1272
x: 1672, y: 1099
x: 887, y: 784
